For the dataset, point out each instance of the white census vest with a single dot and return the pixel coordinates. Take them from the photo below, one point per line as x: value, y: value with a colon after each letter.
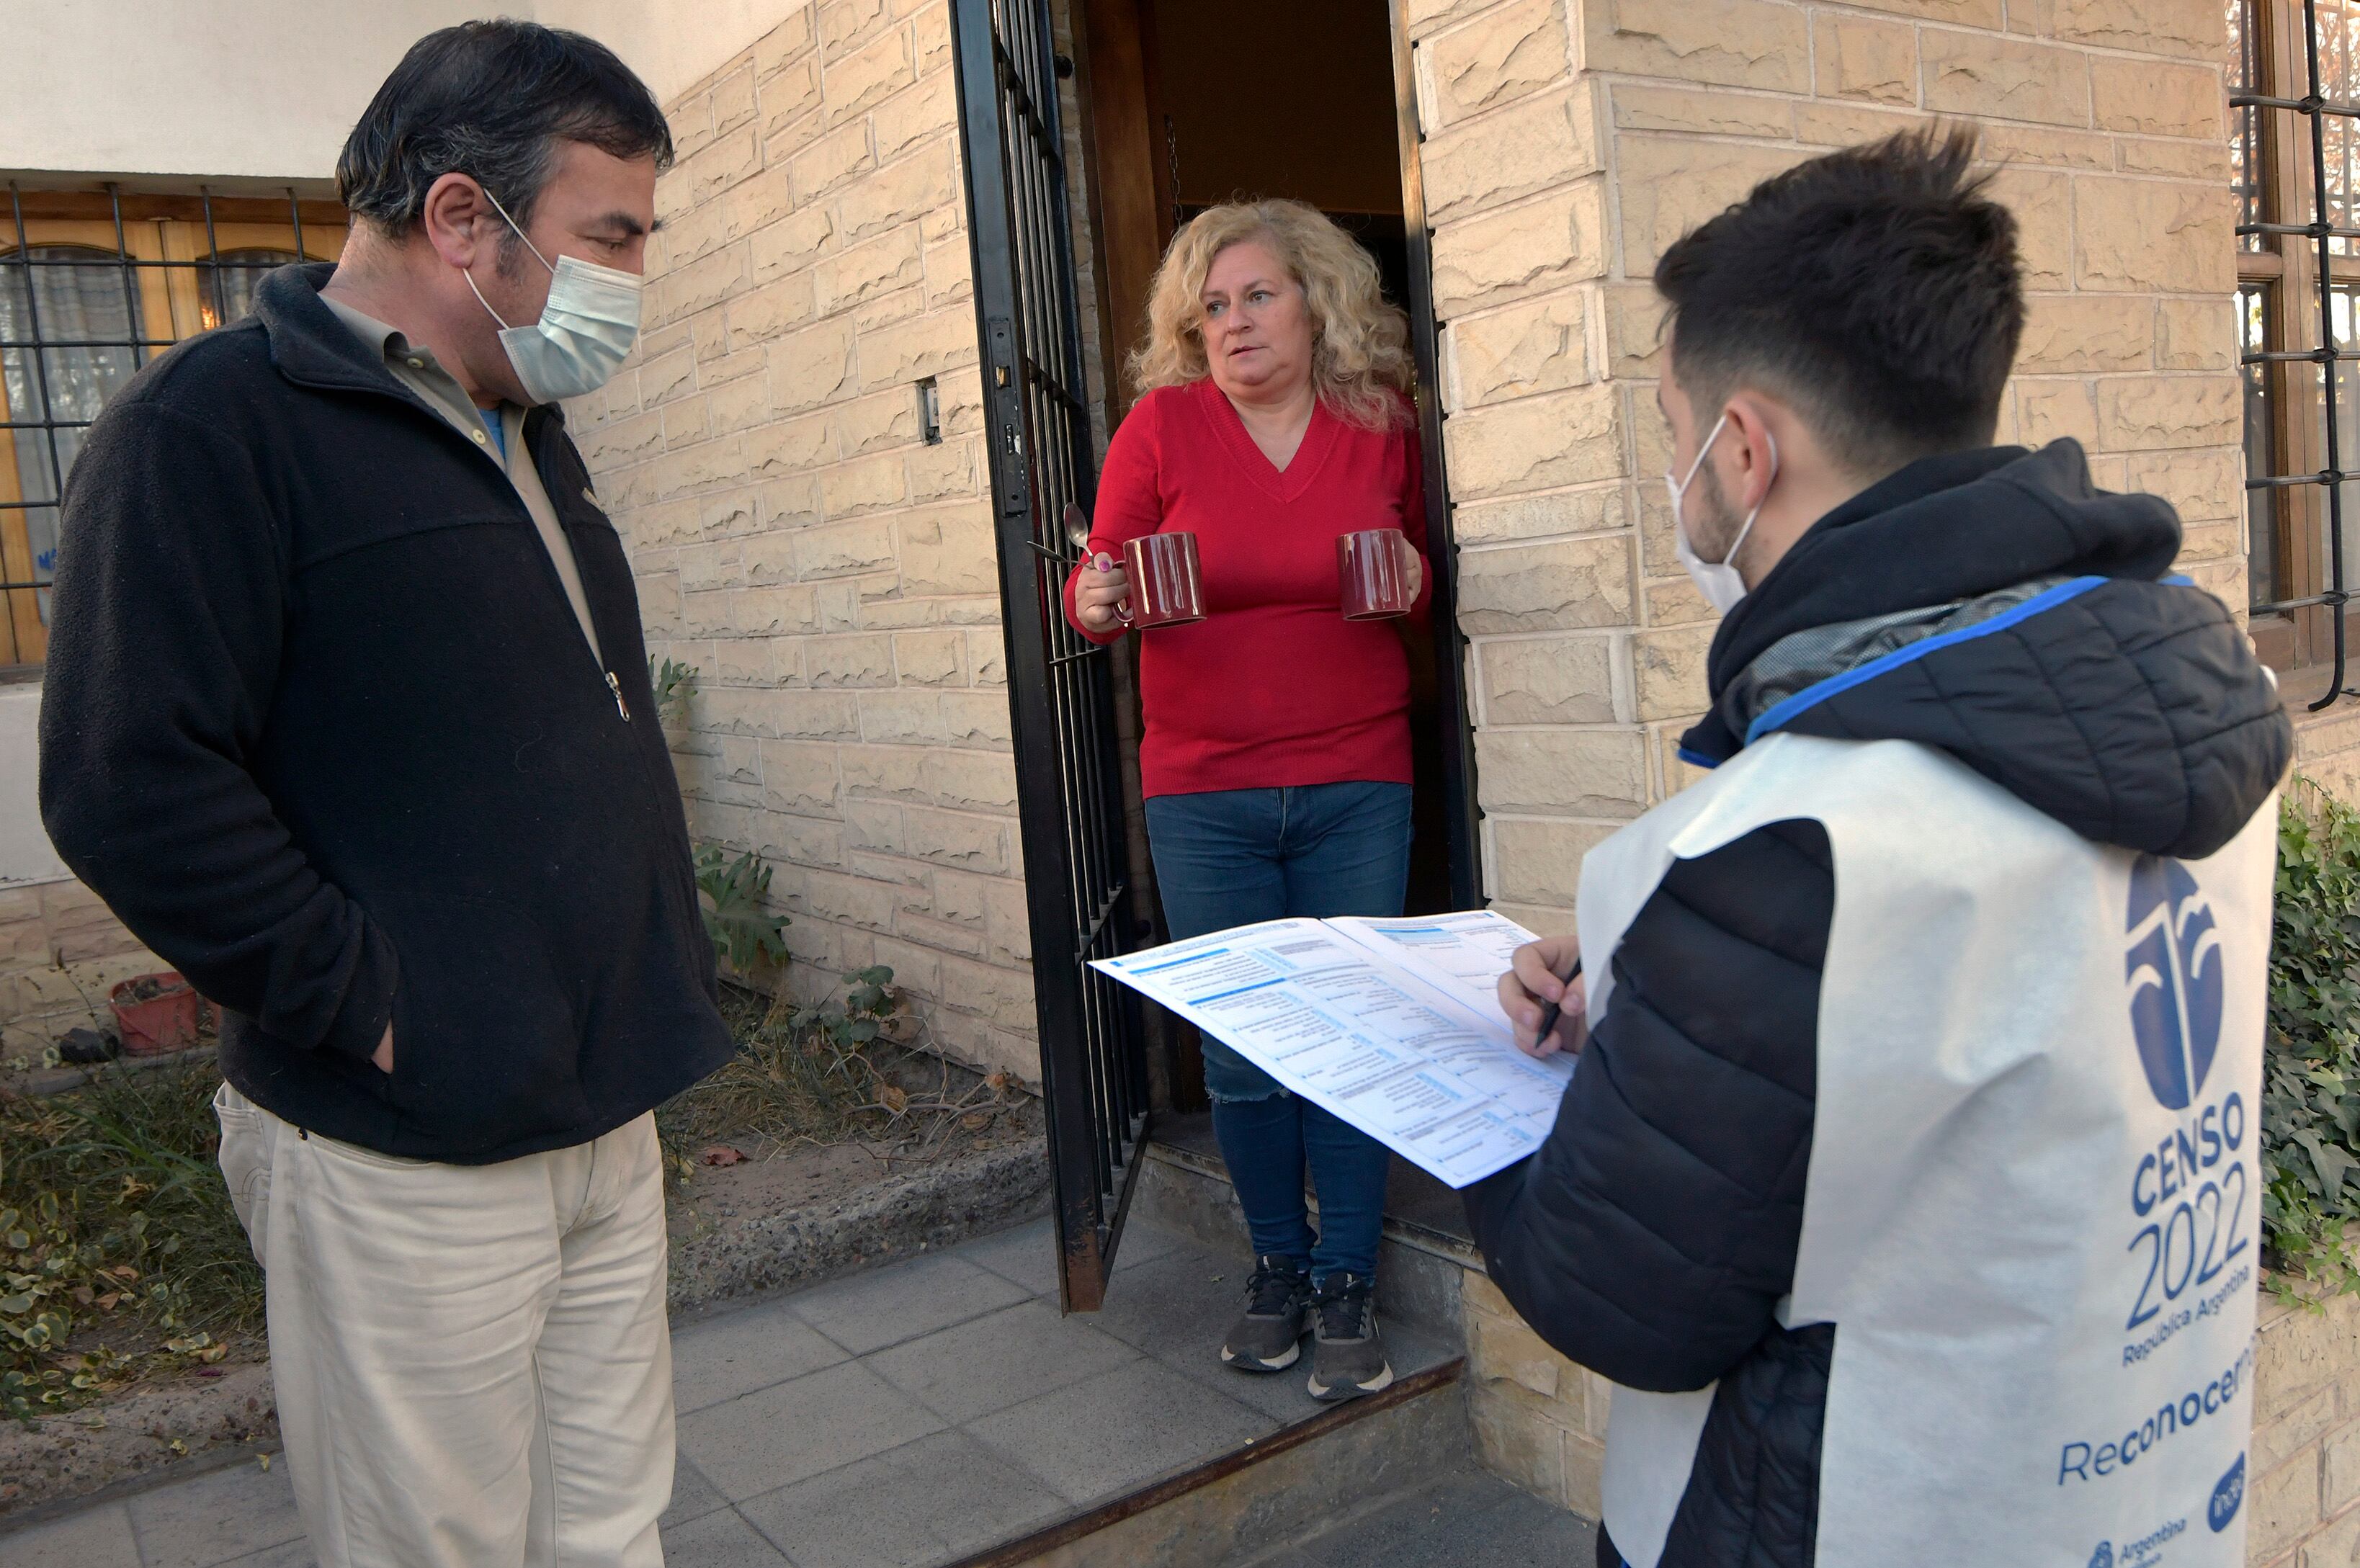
x: 2033, y: 1210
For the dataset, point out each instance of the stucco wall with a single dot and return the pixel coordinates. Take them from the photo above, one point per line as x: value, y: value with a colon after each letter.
x: 830, y: 575
x: 216, y: 90
x: 59, y: 948
x: 26, y: 854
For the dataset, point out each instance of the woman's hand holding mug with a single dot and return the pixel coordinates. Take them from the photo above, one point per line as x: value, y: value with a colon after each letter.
x: 1103, y: 585
x: 1159, y: 583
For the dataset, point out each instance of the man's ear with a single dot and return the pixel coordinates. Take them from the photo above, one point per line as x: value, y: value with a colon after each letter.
x: 453, y: 219
x: 1744, y: 453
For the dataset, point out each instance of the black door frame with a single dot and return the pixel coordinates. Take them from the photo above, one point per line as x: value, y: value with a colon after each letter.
x: 1043, y: 459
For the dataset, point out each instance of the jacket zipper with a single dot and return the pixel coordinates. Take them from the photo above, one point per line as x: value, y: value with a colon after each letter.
x: 410, y: 399
x: 613, y: 687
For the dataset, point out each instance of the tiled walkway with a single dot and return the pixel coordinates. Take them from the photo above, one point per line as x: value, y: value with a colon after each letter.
x: 902, y: 1418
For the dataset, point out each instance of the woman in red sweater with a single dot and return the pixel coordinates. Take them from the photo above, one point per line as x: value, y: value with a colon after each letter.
x: 1276, y: 758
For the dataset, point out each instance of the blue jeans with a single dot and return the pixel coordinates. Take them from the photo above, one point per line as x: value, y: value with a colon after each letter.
x: 1231, y: 857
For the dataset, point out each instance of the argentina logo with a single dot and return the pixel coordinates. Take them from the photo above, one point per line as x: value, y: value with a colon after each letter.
x: 2172, y: 965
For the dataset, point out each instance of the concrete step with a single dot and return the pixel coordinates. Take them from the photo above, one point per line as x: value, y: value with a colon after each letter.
x: 1465, y: 1518
x: 1393, y: 1475
x: 1422, y: 1263
x: 1269, y: 1494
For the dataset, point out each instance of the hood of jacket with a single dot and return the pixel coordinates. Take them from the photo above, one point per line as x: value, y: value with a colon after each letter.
x: 1995, y: 604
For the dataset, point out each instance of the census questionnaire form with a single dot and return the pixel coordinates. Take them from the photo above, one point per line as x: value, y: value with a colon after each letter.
x: 1393, y: 1025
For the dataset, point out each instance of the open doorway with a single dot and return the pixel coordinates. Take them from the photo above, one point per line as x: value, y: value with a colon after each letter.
x: 1063, y: 104
x: 1190, y: 102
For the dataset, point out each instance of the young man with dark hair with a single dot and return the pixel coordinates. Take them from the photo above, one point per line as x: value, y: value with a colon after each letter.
x: 347, y: 717
x: 1856, y: 1192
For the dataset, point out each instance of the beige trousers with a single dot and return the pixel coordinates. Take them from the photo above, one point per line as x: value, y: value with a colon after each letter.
x: 471, y: 1361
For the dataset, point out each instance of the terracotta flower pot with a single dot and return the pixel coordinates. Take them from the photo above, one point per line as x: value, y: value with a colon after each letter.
x: 156, y: 1013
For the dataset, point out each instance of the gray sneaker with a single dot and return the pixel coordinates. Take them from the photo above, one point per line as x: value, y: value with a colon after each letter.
x: 1348, y: 1359
x: 1269, y: 1337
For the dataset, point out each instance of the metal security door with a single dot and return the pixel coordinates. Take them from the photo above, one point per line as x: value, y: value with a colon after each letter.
x: 1061, y: 691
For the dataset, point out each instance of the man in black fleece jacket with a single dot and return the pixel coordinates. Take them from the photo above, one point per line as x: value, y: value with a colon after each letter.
x: 347, y: 716
x: 1838, y: 348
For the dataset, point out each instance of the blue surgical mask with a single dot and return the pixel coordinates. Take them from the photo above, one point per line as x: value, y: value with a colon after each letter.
x: 586, y: 330
x: 1718, y: 581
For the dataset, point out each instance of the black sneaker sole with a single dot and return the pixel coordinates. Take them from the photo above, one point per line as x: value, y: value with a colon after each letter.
x: 1337, y: 1395
x: 1231, y: 1358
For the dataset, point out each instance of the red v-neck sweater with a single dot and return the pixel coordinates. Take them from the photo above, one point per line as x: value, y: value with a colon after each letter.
x: 1274, y: 687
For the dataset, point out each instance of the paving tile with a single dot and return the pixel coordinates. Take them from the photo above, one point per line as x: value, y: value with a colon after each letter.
x: 926, y: 1502
x: 869, y: 1312
x: 692, y: 1497
x: 1026, y: 1255
x: 1144, y: 1243
x: 1118, y: 1430
x: 100, y: 1538
x: 739, y: 1352
x: 293, y: 1554
x: 1175, y: 1310
x: 791, y: 1431
x: 1286, y: 1396
x: 1174, y: 1305
x: 719, y: 1541
x: 216, y: 1519
x: 1000, y: 1360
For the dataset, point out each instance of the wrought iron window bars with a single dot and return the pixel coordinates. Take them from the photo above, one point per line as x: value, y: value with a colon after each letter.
x: 2316, y: 109
x: 17, y: 288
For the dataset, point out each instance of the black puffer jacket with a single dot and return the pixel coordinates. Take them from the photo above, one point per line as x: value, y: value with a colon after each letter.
x: 1990, y: 603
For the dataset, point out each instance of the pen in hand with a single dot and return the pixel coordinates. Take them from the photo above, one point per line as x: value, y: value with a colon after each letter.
x: 1551, y: 1011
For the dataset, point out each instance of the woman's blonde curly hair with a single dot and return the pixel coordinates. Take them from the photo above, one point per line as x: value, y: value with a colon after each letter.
x: 1359, y: 355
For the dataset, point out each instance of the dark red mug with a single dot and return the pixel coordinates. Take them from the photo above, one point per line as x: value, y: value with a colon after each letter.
x: 1372, y: 574
x: 1166, y: 588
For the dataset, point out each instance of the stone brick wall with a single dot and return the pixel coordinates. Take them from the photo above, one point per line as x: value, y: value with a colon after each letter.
x: 1568, y: 142
x: 1539, y: 1419
x: 2305, y: 1458
x: 830, y: 575
x: 2327, y: 748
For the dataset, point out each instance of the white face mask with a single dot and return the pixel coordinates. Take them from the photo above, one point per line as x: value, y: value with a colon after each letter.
x: 1717, y: 581
x: 586, y: 330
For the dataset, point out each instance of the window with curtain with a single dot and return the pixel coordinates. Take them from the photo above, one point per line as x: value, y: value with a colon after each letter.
x: 73, y: 297
x: 229, y: 294
x: 93, y: 284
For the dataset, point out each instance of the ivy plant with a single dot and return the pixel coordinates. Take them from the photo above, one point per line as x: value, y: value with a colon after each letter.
x: 2310, y: 1072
